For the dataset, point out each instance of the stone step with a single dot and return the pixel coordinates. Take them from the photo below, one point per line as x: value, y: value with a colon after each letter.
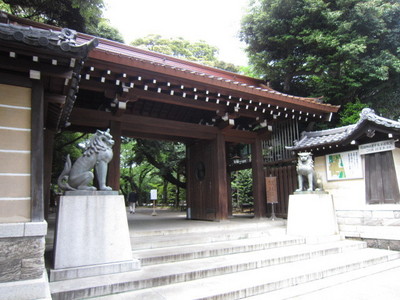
x: 199, y: 269
x: 264, y: 280
x: 193, y: 226
x: 378, y: 281
x: 173, y: 254
x: 181, y: 237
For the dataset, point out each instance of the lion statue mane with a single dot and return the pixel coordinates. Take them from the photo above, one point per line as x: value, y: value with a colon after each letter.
x: 97, y: 155
x: 307, y: 177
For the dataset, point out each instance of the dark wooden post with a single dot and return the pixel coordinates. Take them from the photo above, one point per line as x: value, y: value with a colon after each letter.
x: 220, y: 178
x: 229, y: 188
x: 114, y: 172
x: 260, y: 207
x: 37, y: 152
x: 48, y: 162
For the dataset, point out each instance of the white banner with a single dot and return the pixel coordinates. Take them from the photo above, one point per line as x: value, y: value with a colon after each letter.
x: 376, y: 147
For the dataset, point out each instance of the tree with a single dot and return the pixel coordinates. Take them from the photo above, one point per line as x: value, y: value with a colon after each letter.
x: 82, y: 16
x: 340, y: 49
x: 351, y: 113
x: 105, y: 30
x: 198, y: 51
x: 134, y: 177
x: 148, y: 164
x: 242, y: 184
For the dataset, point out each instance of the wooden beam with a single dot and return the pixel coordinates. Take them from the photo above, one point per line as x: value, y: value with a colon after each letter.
x: 23, y: 66
x: 133, y: 123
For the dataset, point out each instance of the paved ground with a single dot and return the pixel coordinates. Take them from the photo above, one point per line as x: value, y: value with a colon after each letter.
x: 144, y: 220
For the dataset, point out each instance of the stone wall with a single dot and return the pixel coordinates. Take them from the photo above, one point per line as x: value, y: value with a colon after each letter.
x: 21, y: 258
x: 22, y: 247
x: 379, y: 225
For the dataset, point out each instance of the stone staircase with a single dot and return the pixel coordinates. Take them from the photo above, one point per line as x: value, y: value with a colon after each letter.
x: 228, y: 261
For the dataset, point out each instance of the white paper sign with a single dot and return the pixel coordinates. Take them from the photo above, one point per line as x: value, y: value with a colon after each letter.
x: 344, y: 165
x: 376, y: 147
x: 153, y: 194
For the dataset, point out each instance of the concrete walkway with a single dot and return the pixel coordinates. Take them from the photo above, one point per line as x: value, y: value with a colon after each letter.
x: 166, y: 219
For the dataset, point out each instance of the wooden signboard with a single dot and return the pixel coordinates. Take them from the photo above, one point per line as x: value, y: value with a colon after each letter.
x: 272, y: 189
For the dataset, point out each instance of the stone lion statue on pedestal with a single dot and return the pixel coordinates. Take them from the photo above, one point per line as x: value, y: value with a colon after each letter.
x: 97, y: 155
x: 307, y: 177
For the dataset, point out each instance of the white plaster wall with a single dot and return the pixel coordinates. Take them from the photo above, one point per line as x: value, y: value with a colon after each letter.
x: 347, y: 194
x: 355, y: 217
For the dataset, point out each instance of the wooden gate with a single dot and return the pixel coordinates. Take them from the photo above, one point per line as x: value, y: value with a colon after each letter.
x: 287, y: 184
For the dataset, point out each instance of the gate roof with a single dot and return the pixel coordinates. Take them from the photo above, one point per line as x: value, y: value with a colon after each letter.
x: 369, y: 128
x: 154, y: 95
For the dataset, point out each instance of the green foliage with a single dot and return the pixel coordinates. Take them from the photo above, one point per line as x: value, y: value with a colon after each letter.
x: 82, y: 16
x: 199, y: 51
x: 242, y: 188
x: 147, y: 164
x: 340, y: 49
x: 105, y: 30
x: 351, y: 113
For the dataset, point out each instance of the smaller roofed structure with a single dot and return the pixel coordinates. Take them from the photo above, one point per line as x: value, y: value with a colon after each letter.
x: 369, y: 128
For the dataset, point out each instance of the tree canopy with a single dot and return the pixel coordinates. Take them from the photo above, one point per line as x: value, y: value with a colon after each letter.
x: 343, y: 50
x: 198, y: 51
x: 82, y: 16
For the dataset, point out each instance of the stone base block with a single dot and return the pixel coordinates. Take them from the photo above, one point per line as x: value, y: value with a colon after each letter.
x: 26, y: 289
x: 311, y: 215
x: 95, y: 270
x: 92, y: 237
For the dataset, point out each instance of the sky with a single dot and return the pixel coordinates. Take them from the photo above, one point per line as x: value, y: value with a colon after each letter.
x: 217, y: 22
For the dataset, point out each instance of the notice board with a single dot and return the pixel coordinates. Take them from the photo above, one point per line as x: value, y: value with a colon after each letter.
x: 272, y: 189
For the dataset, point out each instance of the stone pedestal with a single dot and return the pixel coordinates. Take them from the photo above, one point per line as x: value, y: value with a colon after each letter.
x: 92, y: 237
x: 312, y: 215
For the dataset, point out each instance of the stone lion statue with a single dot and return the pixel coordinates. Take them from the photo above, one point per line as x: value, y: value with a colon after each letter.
x: 97, y: 155
x: 308, y: 179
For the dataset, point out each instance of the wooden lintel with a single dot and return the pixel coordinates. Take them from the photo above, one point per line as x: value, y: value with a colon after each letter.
x: 239, y: 136
x: 140, y: 124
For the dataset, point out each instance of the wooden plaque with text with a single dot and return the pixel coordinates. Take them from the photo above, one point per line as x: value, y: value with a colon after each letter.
x: 271, y: 189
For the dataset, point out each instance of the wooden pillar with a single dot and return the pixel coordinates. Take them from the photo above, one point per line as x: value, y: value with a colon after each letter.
x: 114, y: 172
x: 257, y: 163
x: 229, y: 189
x: 48, y: 162
x: 220, y: 178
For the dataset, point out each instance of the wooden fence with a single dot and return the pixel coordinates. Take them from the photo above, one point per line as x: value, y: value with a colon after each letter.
x: 287, y: 184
